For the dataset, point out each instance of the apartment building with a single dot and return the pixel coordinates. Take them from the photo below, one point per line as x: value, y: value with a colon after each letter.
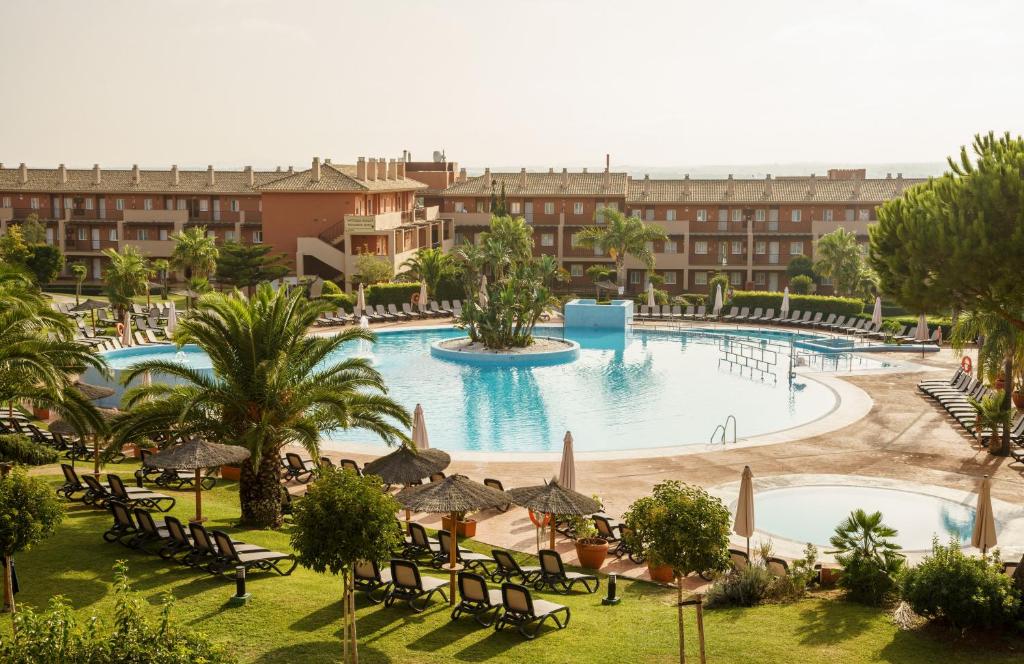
x: 748, y: 228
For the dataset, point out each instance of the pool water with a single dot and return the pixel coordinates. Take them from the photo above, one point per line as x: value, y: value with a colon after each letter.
x: 811, y: 514
x: 627, y: 390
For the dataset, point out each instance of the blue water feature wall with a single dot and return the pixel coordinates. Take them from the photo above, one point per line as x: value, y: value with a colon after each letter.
x: 617, y: 315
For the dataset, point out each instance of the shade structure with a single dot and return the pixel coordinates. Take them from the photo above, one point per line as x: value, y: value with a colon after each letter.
x: 189, y: 293
x: 452, y: 495
x: 921, y: 333
x: 420, y: 438
x: 422, y: 303
x: 567, y: 470
x: 406, y: 465
x: 553, y: 499
x: 316, y: 288
x: 94, y: 392
x: 66, y: 428
x: 360, y: 302
x: 90, y: 305
x: 482, y: 296
x: 650, y: 295
x: 984, y: 535
x: 172, y: 318
x: 876, y: 314
x: 785, y: 301
x: 744, y: 523
x: 194, y: 455
x: 126, y: 334
x: 718, y: 300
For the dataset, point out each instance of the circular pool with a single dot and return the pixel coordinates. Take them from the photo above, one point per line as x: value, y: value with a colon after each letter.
x: 632, y: 390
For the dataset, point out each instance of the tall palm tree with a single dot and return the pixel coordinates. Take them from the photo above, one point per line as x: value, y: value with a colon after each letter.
x: 162, y: 267
x: 194, y: 253
x: 622, y: 236
x: 429, y: 265
x: 126, y: 277
x: 79, y: 272
x: 508, y: 241
x: 838, y: 257
x: 271, y: 385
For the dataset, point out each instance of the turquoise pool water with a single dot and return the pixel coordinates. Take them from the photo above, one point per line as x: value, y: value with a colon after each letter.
x: 630, y: 390
x: 811, y: 513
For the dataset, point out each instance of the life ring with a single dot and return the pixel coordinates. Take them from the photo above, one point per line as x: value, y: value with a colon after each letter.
x: 120, y: 329
x: 542, y: 523
x: 966, y: 364
x: 415, y: 299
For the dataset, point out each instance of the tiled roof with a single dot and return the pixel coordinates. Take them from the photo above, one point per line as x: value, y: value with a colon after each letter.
x: 776, y: 190
x: 543, y: 184
x: 338, y: 177
x: 122, y: 180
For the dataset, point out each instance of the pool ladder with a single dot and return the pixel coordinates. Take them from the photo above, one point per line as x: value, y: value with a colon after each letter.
x: 724, y: 428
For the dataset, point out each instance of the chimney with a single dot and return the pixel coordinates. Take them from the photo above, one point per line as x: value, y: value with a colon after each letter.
x: 888, y: 176
x: 361, y: 168
x: 607, y: 167
x: 136, y: 176
x: 327, y: 161
x: 856, y: 189
x: 23, y: 173
x: 584, y: 169
x: 462, y: 175
x: 371, y: 169
x: 729, y: 186
x: 647, y: 184
x: 522, y: 172
x: 174, y: 175
x: 291, y: 169
x: 812, y: 186
x: 565, y: 178
x: 62, y: 174
x: 607, y: 162
x: 97, y: 175
x: 382, y: 168
x: 550, y: 170
x: 401, y: 170
x: 392, y: 170
x: 768, y: 186
x: 211, y: 177
x: 278, y: 169
x: 316, y: 169
x: 249, y: 176
x: 487, y: 175
x: 686, y: 185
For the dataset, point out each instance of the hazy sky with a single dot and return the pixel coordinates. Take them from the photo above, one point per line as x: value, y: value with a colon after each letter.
x: 539, y: 82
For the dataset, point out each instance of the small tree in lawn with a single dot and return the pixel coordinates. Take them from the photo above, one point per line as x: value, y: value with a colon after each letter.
x: 79, y: 271
x: 344, y: 518
x: 684, y: 527
x: 29, y: 513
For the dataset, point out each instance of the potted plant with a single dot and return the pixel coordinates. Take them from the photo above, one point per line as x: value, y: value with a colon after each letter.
x: 591, y: 550
x: 464, y: 526
x: 1018, y: 392
x: 231, y: 471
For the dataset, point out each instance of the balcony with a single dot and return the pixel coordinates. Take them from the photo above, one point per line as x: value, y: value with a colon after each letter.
x: 157, y: 248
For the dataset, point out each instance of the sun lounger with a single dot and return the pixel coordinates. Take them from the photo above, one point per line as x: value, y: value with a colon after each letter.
x: 732, y: 313
x: 825, y: 323
x: 477, y: 600
x: 688, y: 313
x: 124, y: 527
x: 526, y: 614
x: 371, y: 579
x: 399, y: 315
x: 496, y: 484
x: 471, y: 560
x: 447, y: 308
x: 72, y: 484
x: 553, y: 575
x: 138, y: 497
x: 419, y: 544
x: 810, y: 322
x: 778, y: 566
x: 410, y: 312
x: 766, y: 318
x: 507, y: 569
x: 456, y: 308
x: 229, y: 557
x: 412, y: 588
x: 784, y: 316
x: 349, y: 464
x: 295, y: 468
x: 755, y: 316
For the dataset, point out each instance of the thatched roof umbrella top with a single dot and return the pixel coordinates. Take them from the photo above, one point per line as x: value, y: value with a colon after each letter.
x: 66, y: 428
x: 553, y: 498
x: 94, y: 392
x: 406, y: 465
x: 89, y: 305
x: 456, y: 493
x: 197, y: 453
x: 188, y: 292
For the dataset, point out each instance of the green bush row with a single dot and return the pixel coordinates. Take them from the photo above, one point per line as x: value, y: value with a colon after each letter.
x: 19, y: 449
x: 826, y: 304
x: 391, y: 293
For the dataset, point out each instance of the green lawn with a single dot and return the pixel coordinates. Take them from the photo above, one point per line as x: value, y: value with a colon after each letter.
x: 296, y: 618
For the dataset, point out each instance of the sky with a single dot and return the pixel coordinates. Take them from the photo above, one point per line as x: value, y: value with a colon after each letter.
x: 538, y: 83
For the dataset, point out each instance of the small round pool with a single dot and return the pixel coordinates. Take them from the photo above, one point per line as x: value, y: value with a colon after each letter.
x: 811, y: 513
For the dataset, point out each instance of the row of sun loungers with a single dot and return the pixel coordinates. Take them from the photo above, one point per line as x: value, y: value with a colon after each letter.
x: 95, y: 494
x: 391, y: 314
x: 70, y: 447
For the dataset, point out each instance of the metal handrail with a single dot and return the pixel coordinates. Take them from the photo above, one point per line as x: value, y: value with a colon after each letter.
x: 725, y: 430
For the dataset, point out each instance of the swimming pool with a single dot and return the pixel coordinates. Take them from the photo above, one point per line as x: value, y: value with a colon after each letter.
x: 638, y: 389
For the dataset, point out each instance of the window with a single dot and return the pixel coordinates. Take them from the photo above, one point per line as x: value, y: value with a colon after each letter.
x: 649, y: 214
x: 773, y: 214
x: 574, y: 240
x: 671, y: 247
x: 702, y: 215
x: 549, y: 208
x: 576, y: 270
x: 147, y: 204
x: 229, y: 236
x: 49, y: 236
x: 670, y: 278
x: 737, y: 215
x: 826, y: 281
x: 634, y: 277
x: 119, y: 204
x: 547, y: 239
x: 142, y: 234
x: 204, y: 205
x: 163, y: 233
x: 736, y: 278
x: 613, y: 206
x: 515, y: 207
x: 88, y: 203
x: 481, y: 206
x: 759, y: 278
x: 849, y: 214
x: 723, y: 214
x: 235, y: 207
x: 826, y: 214
x: 863, y: 215
x: 459, y: 238
x: 182, y: 204
x: 760, y: 247
x: 796, y: 248
x: 168, y: 204
x: 759, y: 215
x: 68, y: 202
x: 577, y: 208
x: 7, y: 201
x: 211, y: 234
x: 635, y: 214
x: 34, y: 203
x: 82, y: 236
x: 112, y: 235
x: 257, y: 237
x: 700, y: 247
x: 700, y: 278
x: 737, y: 247
x: 670, y: 215
x: 598, y: 251
x: 794, y: 215
x: 460, y: 206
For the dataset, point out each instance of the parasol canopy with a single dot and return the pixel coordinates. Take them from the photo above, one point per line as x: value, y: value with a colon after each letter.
x: 406, y: 465
x: 456, y: 493
x: 198, y: 453
x: 553, y: 498
x: 66, y: 428
x: 90, y: 305
x: 94, y: 392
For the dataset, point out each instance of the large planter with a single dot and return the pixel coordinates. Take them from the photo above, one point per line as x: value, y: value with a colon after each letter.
x: 591, y: 552
x: 660, y: 573
x: 231, y: 472
x: 465, y: 528
x: 1018, y: 400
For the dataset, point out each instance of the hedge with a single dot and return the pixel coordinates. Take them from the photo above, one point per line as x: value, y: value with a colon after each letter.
x: 19, y: 449
x: 339, y: 298
x: 826, y: 304
x: 942, y: 321
x: 391, y: 293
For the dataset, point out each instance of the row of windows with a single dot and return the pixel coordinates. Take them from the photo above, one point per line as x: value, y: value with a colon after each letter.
x: 86, y: 203
x: 737, y: 247
x: 161, y: 234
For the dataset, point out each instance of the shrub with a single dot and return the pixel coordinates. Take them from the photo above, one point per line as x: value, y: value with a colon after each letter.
x: 826, y: 304
x: 719, y: 279
x: 945, y: 322
x: 660, y: 297
x: 961, y: 590
x: 801, y: 284
x: 869, y: 558
x: 339, y: 298
x: 20, y: 449
x: 391, y: 293
x: 746, y: 587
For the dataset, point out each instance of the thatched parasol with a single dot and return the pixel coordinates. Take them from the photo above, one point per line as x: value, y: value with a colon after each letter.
x: 451, y: 495
x: 195, y: 455
x: 406, y: 465
x: 94, y: 392
x: 91, y: 306
x: 66, y: 428
x: 553, y: 499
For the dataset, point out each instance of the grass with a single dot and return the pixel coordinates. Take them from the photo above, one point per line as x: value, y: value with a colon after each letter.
x: 296, y: 618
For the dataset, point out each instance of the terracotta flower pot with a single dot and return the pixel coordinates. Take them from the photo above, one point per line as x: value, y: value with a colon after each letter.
x: 591, y: 552
x: 660, y: 573
x: 465, y: 528
x: 231, y: 472
x: 1018, y: 400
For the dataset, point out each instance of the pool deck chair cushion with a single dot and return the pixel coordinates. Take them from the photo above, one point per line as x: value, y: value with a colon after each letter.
x: 553, y: 574
x: 477, y: 599
x: 409, y: 586
x: 526, y: 614
x: 371, y: 579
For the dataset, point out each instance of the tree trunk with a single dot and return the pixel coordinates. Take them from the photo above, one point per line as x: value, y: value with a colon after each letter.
x: 259, y: 491
x: 352, y: 618
x: 1003, y: 449
x: 8, y: 587
x: 679, y: 617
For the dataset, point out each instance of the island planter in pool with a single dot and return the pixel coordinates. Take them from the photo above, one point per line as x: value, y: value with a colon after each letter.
x: 463, y: 528
x: 459, y: 350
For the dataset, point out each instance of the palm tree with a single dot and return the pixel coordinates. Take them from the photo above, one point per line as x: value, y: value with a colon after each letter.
x: 126, y: 277
x: 271, y: 385
x: 864, y: 547
x: 509, y: 240
x: 79, y: 272
x: 838, y: 257
x: 429, y: 265
x: 162, y: 267
x: 597, y: 274
x: 622, y: 236
x: 194, y: 253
